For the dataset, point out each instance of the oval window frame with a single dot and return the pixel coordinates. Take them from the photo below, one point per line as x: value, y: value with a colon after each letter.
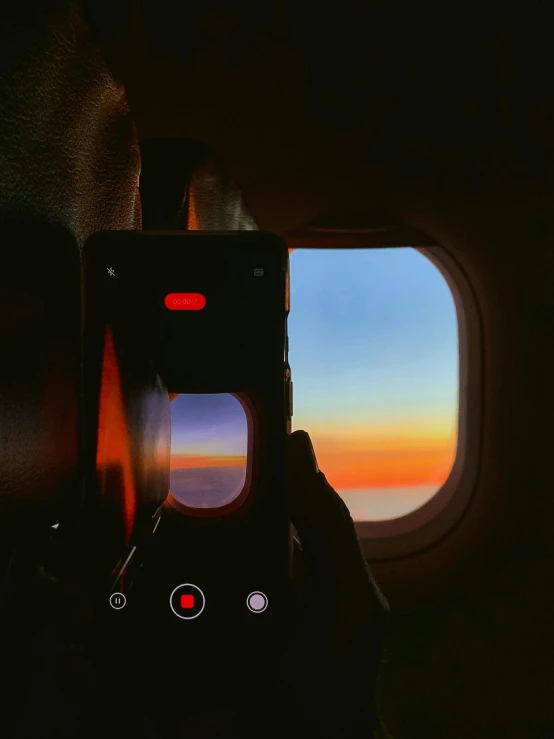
x: 248, y: 489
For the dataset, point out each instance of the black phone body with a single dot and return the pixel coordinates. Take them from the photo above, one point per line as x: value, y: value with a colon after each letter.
x: 194, y: 539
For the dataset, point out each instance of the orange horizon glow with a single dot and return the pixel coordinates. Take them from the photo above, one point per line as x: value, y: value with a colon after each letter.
x: 353, y: 457
x: 191, y: 461
x: 348, y: 470
x: 385, y: 458
x: 114, y: 444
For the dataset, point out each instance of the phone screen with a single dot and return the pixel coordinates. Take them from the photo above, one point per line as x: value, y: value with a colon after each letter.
x: 187, y: 406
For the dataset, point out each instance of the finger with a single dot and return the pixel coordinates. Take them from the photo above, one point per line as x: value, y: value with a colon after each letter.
x: 345, y: 673
x: 328, y: 535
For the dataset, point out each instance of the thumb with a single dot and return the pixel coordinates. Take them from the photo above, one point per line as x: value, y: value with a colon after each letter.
x: 327, y: 532
x: 350, y: 615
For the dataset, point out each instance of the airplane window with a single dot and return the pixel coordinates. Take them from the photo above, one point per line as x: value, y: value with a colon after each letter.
x: 209, y: 445
x: 373, y: 347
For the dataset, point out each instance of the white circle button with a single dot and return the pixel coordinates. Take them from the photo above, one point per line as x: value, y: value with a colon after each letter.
x: 117, y: 601
x: 256, y: 602
x: 187, y: 601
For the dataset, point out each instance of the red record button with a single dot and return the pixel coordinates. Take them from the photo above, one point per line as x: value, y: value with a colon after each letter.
x: 185, y: 301
x: 187, y: 601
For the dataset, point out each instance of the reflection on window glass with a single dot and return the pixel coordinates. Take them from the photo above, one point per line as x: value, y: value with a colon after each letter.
x: 374, y: 358
x: 209, y: 443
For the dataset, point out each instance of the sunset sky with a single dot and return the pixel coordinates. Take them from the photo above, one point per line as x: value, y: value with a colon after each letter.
x: 374, y: 358
x: 208, y: 431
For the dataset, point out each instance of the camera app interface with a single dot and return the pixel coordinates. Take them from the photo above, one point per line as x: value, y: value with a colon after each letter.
x: 186, y: 351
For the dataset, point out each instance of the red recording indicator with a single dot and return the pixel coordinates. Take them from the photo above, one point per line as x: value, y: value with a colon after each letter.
x: 185, y: 301
x: 187, y: 601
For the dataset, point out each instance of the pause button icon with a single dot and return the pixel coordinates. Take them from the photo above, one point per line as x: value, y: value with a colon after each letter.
x: 117, y: 600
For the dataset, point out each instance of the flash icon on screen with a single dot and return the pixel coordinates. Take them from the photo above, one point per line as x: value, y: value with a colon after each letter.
x: 111, y: 271
x: 258, y: 272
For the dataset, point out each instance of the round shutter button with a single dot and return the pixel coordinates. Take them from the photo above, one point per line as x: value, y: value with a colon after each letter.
x: 187, y: 601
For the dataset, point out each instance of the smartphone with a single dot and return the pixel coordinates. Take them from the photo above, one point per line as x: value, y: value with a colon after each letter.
x: 187, y: 395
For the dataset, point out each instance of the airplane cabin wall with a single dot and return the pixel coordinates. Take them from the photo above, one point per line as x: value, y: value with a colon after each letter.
x: 470, y: 653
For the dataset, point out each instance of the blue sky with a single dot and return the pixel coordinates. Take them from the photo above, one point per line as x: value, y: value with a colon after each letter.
x: 208, y: 424
x: 373, y: 335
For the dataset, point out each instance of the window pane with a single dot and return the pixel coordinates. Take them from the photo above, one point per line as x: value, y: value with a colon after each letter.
x: 374, y: 358
x: 209, y: 443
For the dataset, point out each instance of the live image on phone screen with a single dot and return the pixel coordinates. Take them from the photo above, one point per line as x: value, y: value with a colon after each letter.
x: 209, y: 450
